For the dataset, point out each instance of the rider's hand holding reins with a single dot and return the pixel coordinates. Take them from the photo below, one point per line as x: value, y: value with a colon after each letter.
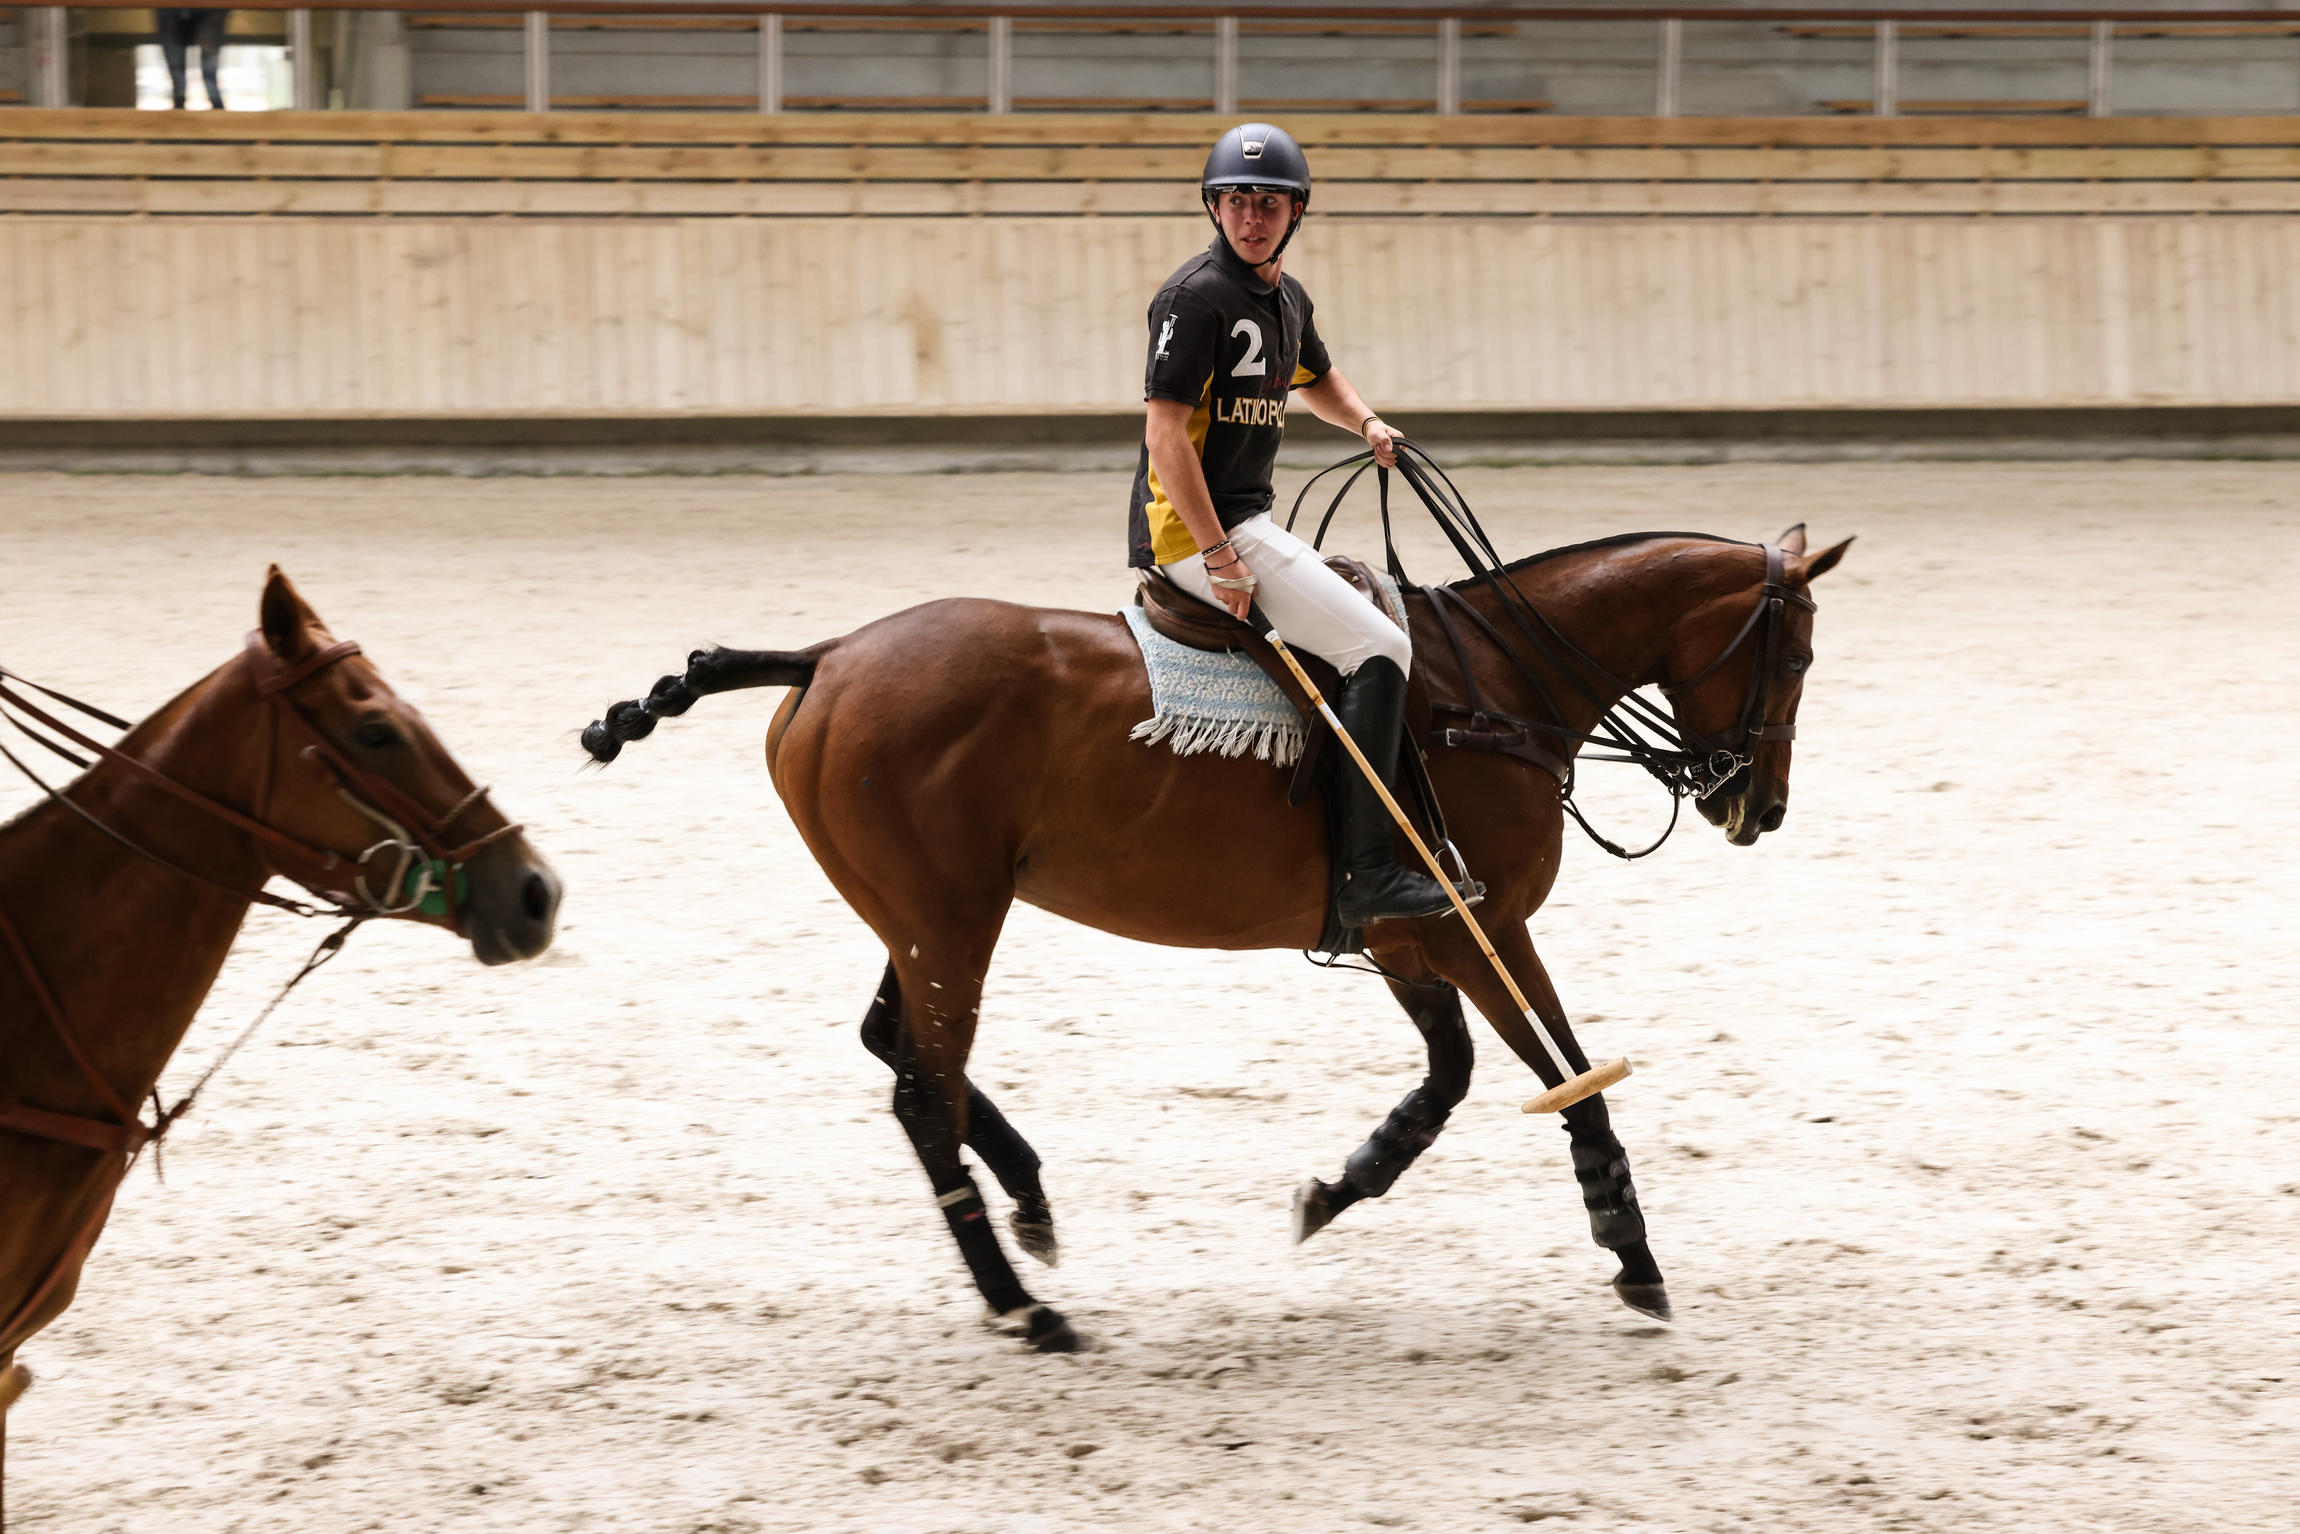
x: 1382, y: 440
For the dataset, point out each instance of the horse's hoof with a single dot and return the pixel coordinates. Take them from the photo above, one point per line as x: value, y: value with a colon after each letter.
x: 1313, y: 1209
x: 14, y: 1381
x: 1037, y: 1238
x: 1041, y: 1329
x: 1646, y: 1299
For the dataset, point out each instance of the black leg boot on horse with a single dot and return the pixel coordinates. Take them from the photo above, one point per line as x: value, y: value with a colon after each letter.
x: 1413, y: 1125
x: 1376, y: 887
x: 1601, y: 1166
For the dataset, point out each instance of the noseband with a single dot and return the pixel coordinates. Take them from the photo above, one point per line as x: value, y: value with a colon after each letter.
x: 426, y: 870
x: 426, y: 877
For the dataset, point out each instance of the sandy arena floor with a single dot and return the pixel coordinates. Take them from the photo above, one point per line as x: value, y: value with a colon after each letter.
x: 1965, y: 1112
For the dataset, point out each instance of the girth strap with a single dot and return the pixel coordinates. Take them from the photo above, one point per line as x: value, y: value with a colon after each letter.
x: 72, y: 1129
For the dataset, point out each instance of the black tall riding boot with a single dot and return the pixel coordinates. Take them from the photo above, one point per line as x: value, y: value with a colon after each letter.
x: 1375, y: 886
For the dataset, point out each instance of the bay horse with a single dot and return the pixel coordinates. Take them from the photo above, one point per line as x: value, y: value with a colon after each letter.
x: 947, y: 760
x: 122, y: 892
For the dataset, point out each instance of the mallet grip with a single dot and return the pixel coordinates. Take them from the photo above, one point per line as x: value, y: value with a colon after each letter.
x: 1575, y: 1087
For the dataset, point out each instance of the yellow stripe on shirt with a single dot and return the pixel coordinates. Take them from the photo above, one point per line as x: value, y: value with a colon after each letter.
x: 1169, y: 538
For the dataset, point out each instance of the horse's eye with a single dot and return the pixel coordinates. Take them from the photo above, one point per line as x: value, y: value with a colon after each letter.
x: 1796, y: 664
x: 376, y: 735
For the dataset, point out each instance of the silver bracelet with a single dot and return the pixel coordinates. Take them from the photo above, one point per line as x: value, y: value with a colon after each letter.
x: 1243, y: 583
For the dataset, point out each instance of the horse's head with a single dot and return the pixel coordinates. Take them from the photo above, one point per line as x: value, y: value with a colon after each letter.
x: 1743, y: 657
x: 354, y: 770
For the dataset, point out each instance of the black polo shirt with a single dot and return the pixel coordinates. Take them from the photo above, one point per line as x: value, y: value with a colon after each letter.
x: 1226, y: 342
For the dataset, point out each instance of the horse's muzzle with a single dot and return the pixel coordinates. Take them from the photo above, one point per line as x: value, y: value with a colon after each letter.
x: 513, y: 904
x: 1746, y: 807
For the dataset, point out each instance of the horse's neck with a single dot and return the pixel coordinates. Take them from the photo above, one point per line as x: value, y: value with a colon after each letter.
x: 127, y: 948
x: 1619, y: 605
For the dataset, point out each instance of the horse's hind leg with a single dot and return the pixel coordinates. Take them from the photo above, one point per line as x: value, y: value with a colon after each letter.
x: 1413, y: 1124
x: 988, y: 1134
x: 930, y: 1044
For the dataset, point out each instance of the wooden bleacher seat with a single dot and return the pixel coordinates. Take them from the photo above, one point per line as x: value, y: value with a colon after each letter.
x: 1937, y: 29
x: 461, y: 21
x: 603, y: 103
x: 1997, y: 29
x: 692, y: 157
x: 512, y: 101
x: 2208, y: 29
x: 2024, y: 108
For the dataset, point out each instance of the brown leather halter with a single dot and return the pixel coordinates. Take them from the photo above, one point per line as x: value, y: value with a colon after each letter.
x: 339, y: 878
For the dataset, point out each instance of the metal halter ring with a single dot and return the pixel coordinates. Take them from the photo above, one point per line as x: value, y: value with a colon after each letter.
x: 410, y: 856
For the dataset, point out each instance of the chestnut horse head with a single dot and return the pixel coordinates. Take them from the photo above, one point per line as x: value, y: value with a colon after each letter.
x: 121, y: 895
x: 373, y: 811
x: 1745, y: 672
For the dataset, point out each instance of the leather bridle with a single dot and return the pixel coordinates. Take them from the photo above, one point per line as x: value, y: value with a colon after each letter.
x: 1739, y: 740
x: 419, y: 848
x: 1628, y: 728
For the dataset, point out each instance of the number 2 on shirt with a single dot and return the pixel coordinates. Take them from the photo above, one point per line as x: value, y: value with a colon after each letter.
x: 1251, y: 365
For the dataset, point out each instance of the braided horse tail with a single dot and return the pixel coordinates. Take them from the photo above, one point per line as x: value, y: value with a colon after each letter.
x: 708, y: 671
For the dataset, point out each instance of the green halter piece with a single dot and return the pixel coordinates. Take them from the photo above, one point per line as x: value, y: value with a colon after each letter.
x: 424, y: 886
x: 448, y: 887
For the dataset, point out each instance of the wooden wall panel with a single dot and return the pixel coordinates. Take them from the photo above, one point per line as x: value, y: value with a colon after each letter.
x: 286, y: 316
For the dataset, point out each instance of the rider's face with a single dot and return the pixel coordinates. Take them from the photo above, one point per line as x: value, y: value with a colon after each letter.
x: 1254, y: 222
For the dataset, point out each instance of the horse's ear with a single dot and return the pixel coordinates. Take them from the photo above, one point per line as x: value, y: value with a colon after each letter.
x: 1825, y: 561
x: 1793, y: 541
x: 287, y: 620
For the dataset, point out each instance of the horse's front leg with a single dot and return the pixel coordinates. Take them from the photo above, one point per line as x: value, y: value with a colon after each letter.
x: 1413, y: 1124
x: 1599, y: 1163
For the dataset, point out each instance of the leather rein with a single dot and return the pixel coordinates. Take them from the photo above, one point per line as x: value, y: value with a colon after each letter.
x: 425, y: 865
x: 1629, y: 729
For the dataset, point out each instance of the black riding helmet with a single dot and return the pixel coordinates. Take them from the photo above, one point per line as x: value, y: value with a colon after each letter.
x: 1257, y: 158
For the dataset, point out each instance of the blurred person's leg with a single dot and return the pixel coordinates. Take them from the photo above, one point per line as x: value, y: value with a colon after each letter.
x: 211, y: 40
x: 172, y: 24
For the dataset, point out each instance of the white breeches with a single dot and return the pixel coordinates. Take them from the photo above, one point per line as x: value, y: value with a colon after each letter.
x: 1313, y: 608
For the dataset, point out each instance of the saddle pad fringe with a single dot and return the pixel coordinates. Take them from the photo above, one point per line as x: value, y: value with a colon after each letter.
x: 1203, y: 700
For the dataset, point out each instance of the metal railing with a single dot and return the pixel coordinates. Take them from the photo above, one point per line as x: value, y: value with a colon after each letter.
x: 48, y: 32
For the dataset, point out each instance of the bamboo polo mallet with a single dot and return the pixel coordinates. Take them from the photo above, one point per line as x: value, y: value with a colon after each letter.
x: 1573, y: 1088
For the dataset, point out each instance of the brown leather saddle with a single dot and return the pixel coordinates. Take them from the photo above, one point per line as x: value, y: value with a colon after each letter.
x: 1187, y: 620
x: 1191, y: 621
